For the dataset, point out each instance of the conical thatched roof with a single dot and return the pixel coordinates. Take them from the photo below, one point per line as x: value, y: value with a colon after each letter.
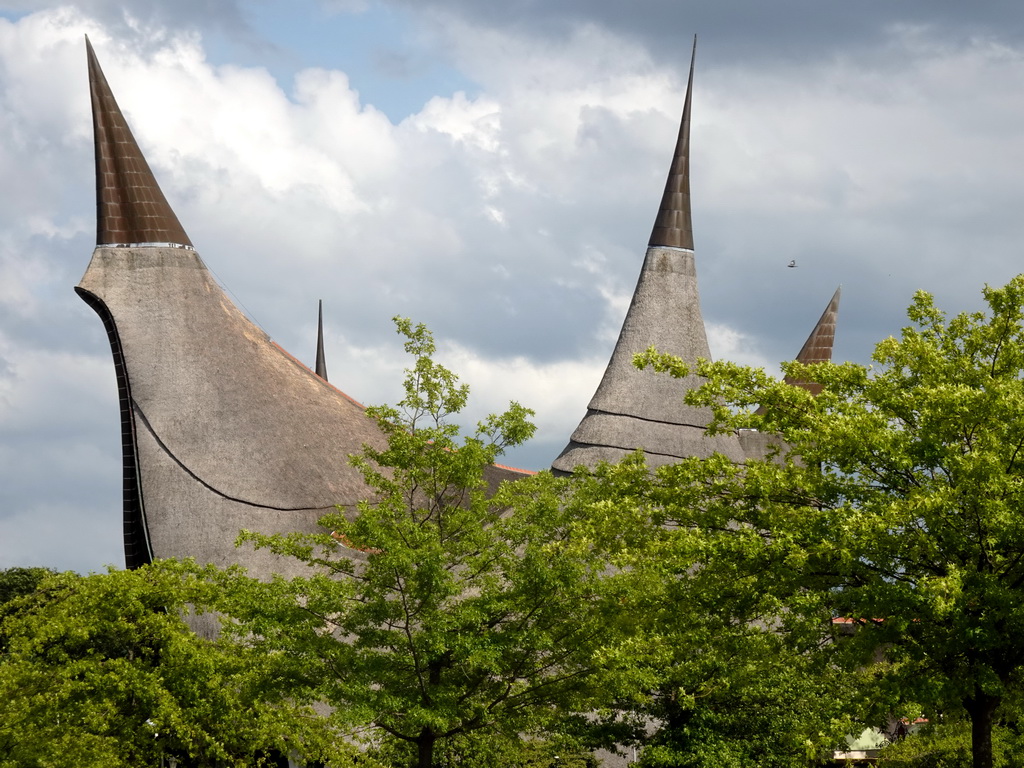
x: 634, y: 409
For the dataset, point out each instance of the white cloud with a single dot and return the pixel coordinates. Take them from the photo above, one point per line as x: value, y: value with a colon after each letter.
x: 512, y: 220
x: 729, y: 344
x: 557, y: 392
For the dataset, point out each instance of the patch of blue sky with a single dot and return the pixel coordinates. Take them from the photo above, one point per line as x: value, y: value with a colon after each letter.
x: 387, y: 59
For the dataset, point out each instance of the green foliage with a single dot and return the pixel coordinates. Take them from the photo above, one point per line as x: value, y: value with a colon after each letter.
x: 103, y: 671
x: 894, y: 500
x: 17, y: 582
x: 488, y: 750
x: 949, y: 746
x: 760, y: 710
x: 945, y: 742
x: 718, y: 669
x: 942, y: 747
x: 443, y: 616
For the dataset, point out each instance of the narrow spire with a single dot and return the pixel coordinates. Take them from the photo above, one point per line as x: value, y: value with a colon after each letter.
x: 818, y: 347
x: 674, y: 227
x: 130, y: 208
x: 321, y: 363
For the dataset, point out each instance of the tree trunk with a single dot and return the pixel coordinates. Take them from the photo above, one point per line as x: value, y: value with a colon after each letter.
x: 981, y: 708
x: 425, y: 749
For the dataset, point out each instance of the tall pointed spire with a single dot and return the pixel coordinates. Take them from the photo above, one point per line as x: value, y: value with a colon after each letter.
x: 674, y: 227
x: 321, y: 363
x: 130, y: 208
x: 818, y: 347
x: 634, y: 409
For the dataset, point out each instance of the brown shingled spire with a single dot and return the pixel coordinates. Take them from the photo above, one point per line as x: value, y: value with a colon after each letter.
x: 321, y: 363
x: 130, y: 208
x: 674, y: 227
x: 818, y: 347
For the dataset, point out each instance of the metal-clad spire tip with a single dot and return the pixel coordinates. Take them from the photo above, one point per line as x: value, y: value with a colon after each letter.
x: 130, y: 207
x: 674, y: 226
x: 818, y: 347
x: 321, y: 362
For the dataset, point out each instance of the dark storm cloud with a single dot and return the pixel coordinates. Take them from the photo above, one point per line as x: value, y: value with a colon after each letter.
x: 739, y: 31
x: 164, y: 16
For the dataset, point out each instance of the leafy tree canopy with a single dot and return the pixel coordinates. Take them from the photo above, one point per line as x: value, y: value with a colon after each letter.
x: 440, y: 616
x: 893, y: 501
x: 722, y: 673
x: 103, y: 670
x: 17, y: 582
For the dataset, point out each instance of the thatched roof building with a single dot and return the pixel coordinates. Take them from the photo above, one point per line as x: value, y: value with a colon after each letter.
x: 221, y: 428
x: 634, y: 409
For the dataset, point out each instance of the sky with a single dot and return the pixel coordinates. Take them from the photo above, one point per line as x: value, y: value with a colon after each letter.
x: 492, y: 170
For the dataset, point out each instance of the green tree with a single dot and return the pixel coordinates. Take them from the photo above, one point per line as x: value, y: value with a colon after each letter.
x: 722, y: 673
x: 894, y: 501
x: 14, y: 583
x: 17, y: 582
x: 945, y: 741
x: 442, y: 615
x: 745, y: 700
x: 103, y: 670
x: 948, y: 745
